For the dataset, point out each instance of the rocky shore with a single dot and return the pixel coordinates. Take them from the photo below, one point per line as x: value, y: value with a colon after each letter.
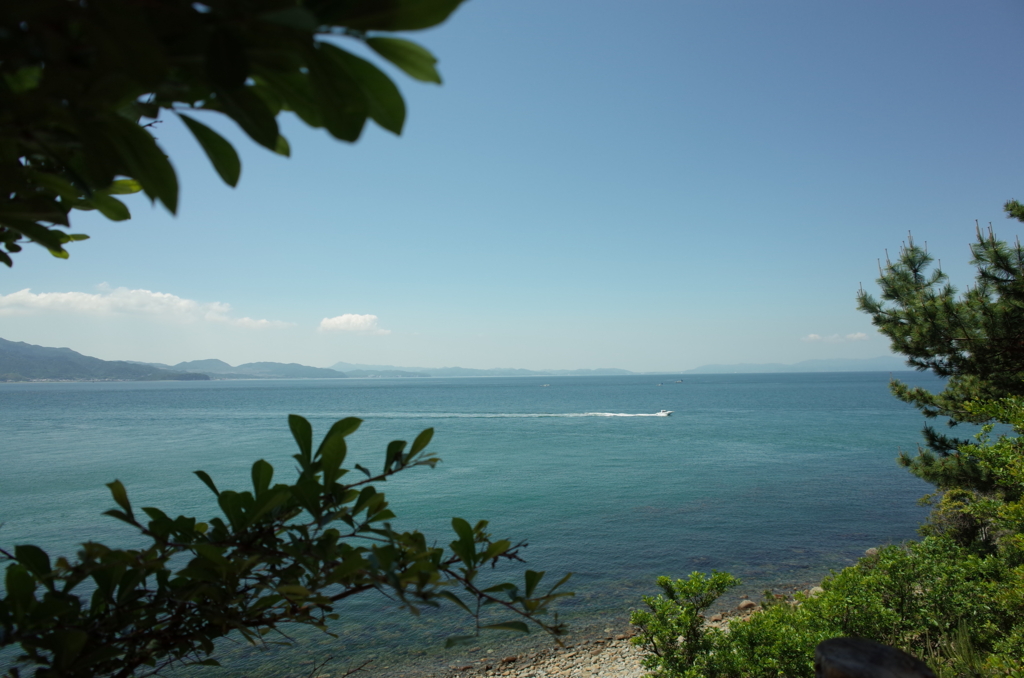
x: 594, y: 653
x: 610, y: 656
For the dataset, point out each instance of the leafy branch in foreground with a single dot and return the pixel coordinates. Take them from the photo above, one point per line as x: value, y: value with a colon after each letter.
x: 281, y: 554
x: 81, y: 83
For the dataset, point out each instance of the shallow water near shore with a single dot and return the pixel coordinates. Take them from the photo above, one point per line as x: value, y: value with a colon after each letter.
x: 774, y: 477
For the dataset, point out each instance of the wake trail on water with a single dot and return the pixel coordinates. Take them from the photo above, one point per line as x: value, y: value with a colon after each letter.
x: 498, y: 415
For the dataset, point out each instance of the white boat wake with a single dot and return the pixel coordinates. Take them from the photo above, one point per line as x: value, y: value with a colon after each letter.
x: 497, y: 415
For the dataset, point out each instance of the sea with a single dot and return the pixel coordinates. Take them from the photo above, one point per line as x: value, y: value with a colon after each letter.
x: 776, y: 478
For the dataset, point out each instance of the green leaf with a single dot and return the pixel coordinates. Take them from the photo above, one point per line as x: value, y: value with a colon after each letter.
x: 340, y: 429
x: 458, y: 640
x: 519, y: 626
x: 251, y: 113
x: 262, y: 474
x: 448, y: 595
x: 340, y: 102
x: 121, y: 497
x: 24, y: 79
x: 415, y: 60
x: 142, y: 158
x: 268, y: 501
x: 233, y: 506
x: 303, y: 434
x: 20, y: 586
x: 57, y: 184
x: 22, y: 214
x: 204, y: 476
x: 123, y: 187
x: 282, y: 147
x: 296, y: 92
x: 532, y: 579
x: 422, y: 440
x: 496, y: 549
x: 385, y: 103
x: 221, y: 153
x: 333, y: 449
x: 560, y: 582
x: 462, y: 529
x: 110, y: 207
x: 33, y: 558
x: 120, y: 515
x: 397, y: 15
x: 394, y: 452
x: 66, y: 644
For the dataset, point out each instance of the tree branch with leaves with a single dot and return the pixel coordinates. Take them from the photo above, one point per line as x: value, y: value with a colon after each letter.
x: 974, y: 339
x: 281, y: 554
x: 81, y: 81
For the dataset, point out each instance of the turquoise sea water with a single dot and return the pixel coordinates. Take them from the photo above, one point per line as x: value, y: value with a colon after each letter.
x: 774, y: 477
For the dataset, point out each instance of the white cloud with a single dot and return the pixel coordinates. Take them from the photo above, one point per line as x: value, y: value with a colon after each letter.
x: 123, y: 301
x: 352, y: 322
x: 836, y: 338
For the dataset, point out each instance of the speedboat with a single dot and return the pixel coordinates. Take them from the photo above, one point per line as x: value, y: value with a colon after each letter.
x: 664, y: 413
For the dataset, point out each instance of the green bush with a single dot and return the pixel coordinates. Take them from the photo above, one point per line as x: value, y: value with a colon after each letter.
x: 673, y: 630
x: 934, y: 599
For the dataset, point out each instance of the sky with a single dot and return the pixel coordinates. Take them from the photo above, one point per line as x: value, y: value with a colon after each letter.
x: 651, y: 185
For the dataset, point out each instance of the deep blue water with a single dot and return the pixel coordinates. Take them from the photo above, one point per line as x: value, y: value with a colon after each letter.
x: 773, y: 477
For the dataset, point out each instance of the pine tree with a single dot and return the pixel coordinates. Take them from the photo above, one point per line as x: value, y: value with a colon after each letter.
x: 975, y: 340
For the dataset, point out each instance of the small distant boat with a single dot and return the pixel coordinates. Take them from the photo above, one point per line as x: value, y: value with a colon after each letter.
x: 664, y: 413
x: 545, y: 385
x: 679, y: 381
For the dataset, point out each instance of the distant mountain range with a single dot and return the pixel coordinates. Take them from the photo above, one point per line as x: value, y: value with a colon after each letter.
x: 26, y: 362
x: 218, y: 369
x: 887, y: 363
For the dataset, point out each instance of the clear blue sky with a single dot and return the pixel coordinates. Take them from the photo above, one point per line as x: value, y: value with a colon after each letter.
x: 652, y: 185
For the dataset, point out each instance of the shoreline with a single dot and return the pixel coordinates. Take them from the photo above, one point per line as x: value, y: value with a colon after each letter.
x: 598, y: 648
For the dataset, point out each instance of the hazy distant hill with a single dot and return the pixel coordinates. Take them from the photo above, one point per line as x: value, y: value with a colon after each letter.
x: 880, y: 364
x: 24, y: 362
x: 288, y: 371
x: 218, y: 369
x: 353, y: 368
x: 211, y: 365
x: 384, y: 373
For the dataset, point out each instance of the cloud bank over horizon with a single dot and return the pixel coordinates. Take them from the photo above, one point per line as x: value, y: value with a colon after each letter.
x: 353, y: 322
x: 836, y: 338
x: 123, y: 301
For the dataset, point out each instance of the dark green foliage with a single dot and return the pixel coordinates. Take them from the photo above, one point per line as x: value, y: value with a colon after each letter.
x: 921, y: 598
x: 973, y: 339
x: 1014, y: 210
x: 280, y: 554
x: 673, y: 630
x: 82, y: 83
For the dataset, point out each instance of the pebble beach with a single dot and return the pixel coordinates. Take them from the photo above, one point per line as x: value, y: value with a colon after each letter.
x: 611, y: 657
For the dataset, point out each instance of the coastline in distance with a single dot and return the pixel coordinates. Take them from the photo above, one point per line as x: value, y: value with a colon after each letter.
x: 20, y: 361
